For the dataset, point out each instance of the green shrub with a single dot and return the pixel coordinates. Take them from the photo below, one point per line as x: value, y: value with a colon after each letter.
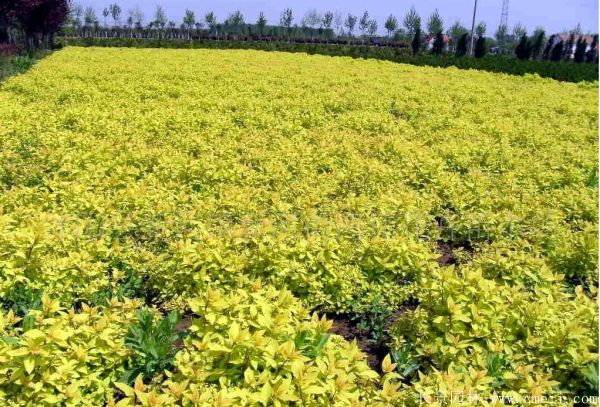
x: 153, y: 343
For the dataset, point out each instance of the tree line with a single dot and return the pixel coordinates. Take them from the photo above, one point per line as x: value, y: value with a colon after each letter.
x: 39, y: 20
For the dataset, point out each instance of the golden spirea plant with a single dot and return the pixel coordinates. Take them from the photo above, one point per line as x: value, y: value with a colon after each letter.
x: 451, y: 214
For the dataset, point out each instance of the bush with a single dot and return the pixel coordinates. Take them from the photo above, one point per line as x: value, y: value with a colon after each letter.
x: 480, y: 47
x: 256, y: 345
x: 523, y: 50
x: 153, y: 343
x: 557, y: 52
x: 416, y: 42
x: 71, y: 356
x: 462, y: 46
x: 438, y: 44
x: 510, y: 335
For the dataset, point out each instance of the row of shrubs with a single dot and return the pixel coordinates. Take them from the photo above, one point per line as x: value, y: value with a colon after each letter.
x: 560, y: 71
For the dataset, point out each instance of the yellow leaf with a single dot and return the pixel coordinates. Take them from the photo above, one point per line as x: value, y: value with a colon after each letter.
x: 128, y: 391
x: 313, y: 389
x: 234, y: 331
x: 387, y: 366
x: 139, y: 384
x: 29, y: 364
x: 18, y: 352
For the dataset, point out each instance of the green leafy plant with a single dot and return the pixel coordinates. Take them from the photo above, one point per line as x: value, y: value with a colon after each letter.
x: 311, y: 348
x: 407, y: 363
x: 21, y: 299
x: 153, y: 343
x: 497, y: 363
x: 590, y: 375
x: 129, y: 285
x: 372, y: 316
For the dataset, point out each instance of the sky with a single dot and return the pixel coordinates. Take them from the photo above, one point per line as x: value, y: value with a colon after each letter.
x: 553, y: 15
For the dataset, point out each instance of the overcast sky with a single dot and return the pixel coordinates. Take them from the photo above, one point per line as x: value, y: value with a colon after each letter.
x: 553, y: 15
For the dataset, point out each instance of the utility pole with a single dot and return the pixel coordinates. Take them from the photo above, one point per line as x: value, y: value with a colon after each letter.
x: 503, y: 24
x: 504, y: 16
x: 473, y: 28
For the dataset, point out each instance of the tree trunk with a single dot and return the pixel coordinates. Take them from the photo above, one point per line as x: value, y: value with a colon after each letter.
x: 30, y: 39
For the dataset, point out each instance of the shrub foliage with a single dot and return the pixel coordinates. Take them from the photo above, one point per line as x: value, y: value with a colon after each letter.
x: 451, y: 213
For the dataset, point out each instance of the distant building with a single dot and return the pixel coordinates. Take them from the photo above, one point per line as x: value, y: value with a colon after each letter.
x: 565, y: 36
x: 430, y: 39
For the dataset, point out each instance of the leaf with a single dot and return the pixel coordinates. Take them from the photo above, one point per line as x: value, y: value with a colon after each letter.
x: 29, y: 364
x: 314, y: 389
x: 127, y: 391
x: 18, y: 352
x: 234, y: 331
x: 264, y: 396
x: 387, y: 366
x: 322, y: 342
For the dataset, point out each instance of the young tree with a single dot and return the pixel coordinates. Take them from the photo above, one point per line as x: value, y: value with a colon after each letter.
x: 286, y: 20
x: 211, y: 21
x: 391, y: 25
x: 412, y: 22
x: 462, y: 45
x: 363, y: 24
x: 557, y: 51
x: 502, y: 35
x: 312, y: 20
x: 89, y: 17
x: 338, y: 23
x: 372, y: 28
x: 592, y: 55
x: 480, y: 29
x: 480, y: 47
x: 171, y: 25
x: 435, y: 23
x: 115, y: 12
x: 350, y: 23
x: 518, y: 31
x: 261, y: 23
x: 438, y: 44
x: 548, y: 49
x: 327, y: 20
x: 416, y: 41
x: 74, y: 15
x: 537, y: 42
x: 568, y: 48
x: 105, y: 14
x: 137, y: 16
x: 580, y: 49
x: 523, y: 49
x: 160, y: 17
x: 189, y: 19
x: 236, y: 22
x: 456, y: 32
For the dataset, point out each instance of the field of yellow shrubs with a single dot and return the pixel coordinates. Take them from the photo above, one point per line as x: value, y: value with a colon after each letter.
x: 209, y: 228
